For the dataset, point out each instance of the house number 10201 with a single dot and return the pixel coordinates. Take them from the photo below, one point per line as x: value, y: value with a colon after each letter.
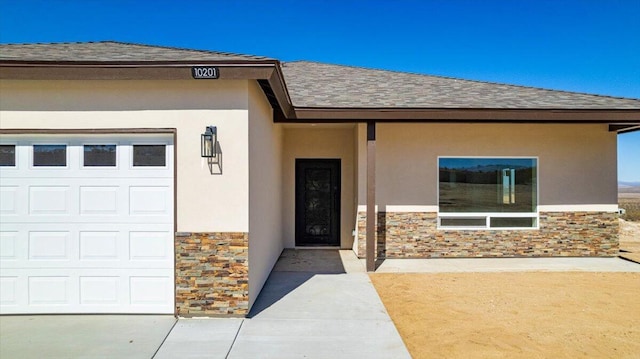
x: 204, y: 72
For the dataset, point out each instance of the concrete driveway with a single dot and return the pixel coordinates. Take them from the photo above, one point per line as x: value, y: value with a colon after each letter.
x: 83, y: 336
x: 315, y: 304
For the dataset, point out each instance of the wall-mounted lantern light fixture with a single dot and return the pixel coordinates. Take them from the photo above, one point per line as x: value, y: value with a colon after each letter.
x: 208, y: 142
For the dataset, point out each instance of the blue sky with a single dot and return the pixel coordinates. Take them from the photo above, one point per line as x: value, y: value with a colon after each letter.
x: 588, y: 46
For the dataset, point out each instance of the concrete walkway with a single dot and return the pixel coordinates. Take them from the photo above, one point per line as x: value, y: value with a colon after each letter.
x: 458, y: 265
x: 315, y: 304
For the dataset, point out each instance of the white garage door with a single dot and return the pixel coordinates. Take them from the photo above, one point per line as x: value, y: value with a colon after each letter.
x: 86, y: 224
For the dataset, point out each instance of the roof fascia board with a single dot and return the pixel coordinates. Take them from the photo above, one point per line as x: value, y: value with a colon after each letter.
x: 182, y: 72
x: 279, y: 89
x: 462, y: 115
x: 161, y: 63
x: 19, y: 131
x: 624, y: 128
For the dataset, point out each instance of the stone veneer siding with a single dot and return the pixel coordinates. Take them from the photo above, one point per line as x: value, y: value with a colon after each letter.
x: 561, y: 234
x: 212, y: 274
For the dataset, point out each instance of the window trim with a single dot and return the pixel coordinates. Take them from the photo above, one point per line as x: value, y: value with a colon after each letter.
x: 488, y: 215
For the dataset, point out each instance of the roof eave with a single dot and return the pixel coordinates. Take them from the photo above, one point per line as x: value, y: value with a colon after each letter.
x: 269, y: 74
x: 125, y: 63
x: 267, y: 71
x: 131, y: 70
x: 537, y: 115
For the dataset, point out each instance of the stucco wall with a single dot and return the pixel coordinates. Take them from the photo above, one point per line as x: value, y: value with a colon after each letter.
x: 577, y: 163
x: 205, y: 202
x: 265, y: 189
x: 320, y: 141
x: 577, y: 184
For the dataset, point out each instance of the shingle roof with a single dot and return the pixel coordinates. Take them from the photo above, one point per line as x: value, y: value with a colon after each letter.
x: 112, y: 51
x: 318, y: 85
x: 312, y: 84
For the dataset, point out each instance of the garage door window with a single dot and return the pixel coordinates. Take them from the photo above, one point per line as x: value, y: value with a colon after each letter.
x: 8, y: 155
x: 149, y: 156
x: 49, y: 155
x: 99, y: 155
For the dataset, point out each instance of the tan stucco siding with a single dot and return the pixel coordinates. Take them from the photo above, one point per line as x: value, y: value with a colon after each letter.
x: 265, y: 191
x: 577, y: 163
x: 333, y: 141
x: 205, y: 202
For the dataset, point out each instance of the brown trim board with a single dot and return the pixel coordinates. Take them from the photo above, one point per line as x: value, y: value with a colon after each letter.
x: 620, y: 128
x: 370, y: 238
x: 468, y: 115
x: 175, y: 218
x: 162, y: 72
x: 16, y: 131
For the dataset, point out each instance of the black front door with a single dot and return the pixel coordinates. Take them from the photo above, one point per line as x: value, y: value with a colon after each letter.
x: 317, y: 202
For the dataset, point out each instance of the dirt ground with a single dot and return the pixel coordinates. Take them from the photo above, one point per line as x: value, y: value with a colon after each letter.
x: 518, y: 315
x: 515, y: 315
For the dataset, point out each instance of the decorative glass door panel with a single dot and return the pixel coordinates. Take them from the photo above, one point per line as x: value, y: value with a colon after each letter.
x: 317, y: 202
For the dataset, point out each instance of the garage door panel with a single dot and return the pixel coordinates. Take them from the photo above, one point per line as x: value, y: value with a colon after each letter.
x: 114, y: 220
x: 46, y: 200
x: 49, y: 290
x: 148, y: 290
x: 9, y: 245
x: 115, y: 201
x: 34, y: 291
x: 87, y: 246
x: 9, y: 200
x: 9, y: 291
x: 87, y: 239
x: 150, y: 246
x: 149, y: 200
x: 100, y: 246
x: 50, y: 246
x: 99, y: 200
x: 100, y: 290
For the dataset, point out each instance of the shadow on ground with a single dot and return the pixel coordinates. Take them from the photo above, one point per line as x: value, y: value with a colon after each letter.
x: 293, y: 269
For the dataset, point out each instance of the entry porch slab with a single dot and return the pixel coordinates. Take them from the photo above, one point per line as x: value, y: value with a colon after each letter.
x: 318, y: 304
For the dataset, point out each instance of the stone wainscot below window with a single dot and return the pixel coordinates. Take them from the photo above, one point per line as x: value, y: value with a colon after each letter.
x: 561, y: 234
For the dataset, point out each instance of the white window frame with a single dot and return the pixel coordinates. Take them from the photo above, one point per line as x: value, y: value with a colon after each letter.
x: 488, y: 215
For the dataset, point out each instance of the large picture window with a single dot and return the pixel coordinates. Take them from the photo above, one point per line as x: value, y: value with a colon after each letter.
x: 485, y: 192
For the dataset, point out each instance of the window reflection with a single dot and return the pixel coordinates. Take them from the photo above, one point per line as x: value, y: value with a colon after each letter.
x: 149, y: 155
x: 99, y: 155
x: 50, y: 155
x: 8, y: 155
x: 487, y: 185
